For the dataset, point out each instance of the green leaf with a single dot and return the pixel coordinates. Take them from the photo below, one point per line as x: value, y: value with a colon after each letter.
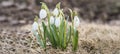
x: 75, y: 40
x: 44, y: 28
x: 49, y: 36
x: 65, y: 38
x: 54, y: 35
x: 69, y: 35
x: 61, y: 33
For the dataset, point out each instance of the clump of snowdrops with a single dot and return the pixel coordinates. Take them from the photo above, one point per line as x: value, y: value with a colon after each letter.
x: 56, y: 30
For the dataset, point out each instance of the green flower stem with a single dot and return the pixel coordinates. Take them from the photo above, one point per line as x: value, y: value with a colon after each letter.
x: 44, y: 28
x: 64, y: 35
x: 39, y: 32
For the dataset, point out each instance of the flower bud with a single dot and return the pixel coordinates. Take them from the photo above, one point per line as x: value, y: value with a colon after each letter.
x: 76, y: 21
x: 52, y: 20
x: 56, y: 12
x: 57, y: 22
x: 42, y: 13
x: 35, y: 26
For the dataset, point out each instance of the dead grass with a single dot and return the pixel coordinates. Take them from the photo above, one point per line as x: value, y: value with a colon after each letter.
x: 93, y: 39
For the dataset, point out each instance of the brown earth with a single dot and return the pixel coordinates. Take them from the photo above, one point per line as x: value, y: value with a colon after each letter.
x: 93, y: 39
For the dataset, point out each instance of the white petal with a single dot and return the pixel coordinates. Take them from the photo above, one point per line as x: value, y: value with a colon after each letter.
x: 57, y: 22
x: 76, y: 21
x: 55, y: 12
x: 42, y: 13
x: 52, y: 19
x: 35, y: 26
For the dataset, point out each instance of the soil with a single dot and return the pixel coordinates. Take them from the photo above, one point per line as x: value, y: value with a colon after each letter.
x: 93, y: 39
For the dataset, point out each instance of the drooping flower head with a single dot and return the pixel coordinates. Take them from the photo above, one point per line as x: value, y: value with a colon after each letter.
x: 43, y: 13
x: 76, y: 21
x: 52, y: 20
x: 57, y: 22
x: 35, y: 26
x: 55, y: 12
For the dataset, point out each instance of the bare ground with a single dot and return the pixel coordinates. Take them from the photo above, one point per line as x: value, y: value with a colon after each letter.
x: 93, y: 39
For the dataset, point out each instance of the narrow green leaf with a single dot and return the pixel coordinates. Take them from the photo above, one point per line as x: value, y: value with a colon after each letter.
x: 69, y: 35
x: 49, y: 36
x: 75, y: 40
x: 44, y: 28
x: 53, y: 35
x: 61, y: 33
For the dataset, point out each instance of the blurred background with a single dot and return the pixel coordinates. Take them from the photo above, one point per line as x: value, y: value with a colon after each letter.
x: 22, y: 12
x: 99, y: 30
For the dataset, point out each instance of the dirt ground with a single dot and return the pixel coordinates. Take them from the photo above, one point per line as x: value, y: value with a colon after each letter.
x: 99, y: 31
x: 93, y: 39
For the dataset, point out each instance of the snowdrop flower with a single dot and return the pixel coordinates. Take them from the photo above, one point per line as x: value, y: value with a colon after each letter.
x: 52, y: 20
x: 76, y: 21
x: 57, y: 22
x: 35, y: 26
x: 56, y: 12
x: 42, y: 13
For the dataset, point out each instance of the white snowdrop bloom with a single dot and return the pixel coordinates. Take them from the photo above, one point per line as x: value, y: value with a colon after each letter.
x: 76, y: 21
x: 52, y: 20
x: 42, y: 13
x: 57, y: 22
x: 55, y: 11
x: 35, y: 26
